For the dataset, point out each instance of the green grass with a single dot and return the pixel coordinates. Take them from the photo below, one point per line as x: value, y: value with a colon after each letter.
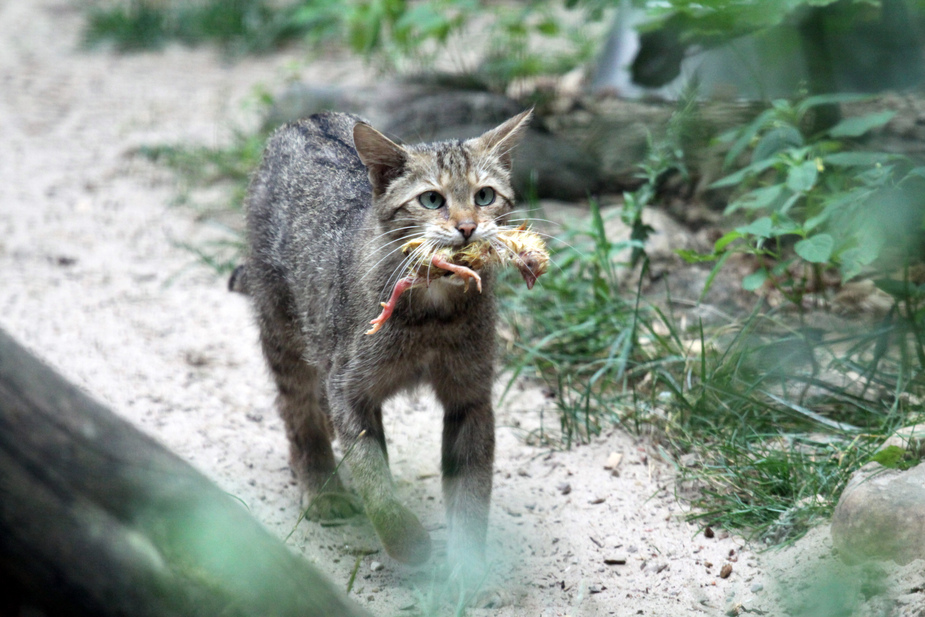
x: 239, y: 26
x: 202, y: 167
x: 766, y: 415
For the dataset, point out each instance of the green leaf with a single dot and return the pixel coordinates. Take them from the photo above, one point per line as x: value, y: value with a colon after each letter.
x: 709, y: 282
x: 776, y: 140
x: 901, y: 290
x: 726, y: 240
x: 814, y: 221
x: 785, y: 207
x: 693, y: 257
x: 751, y: 170
x: 762, y: 228
x: 745, y: 137
x: 754, y: 281
x: 816, y: 249
x: 857, y: 159
x: 855, y: 127
x: 875, y: 176
x: 830, y: 99
x: 756, y: 199
x: 803, y: 177
x: 853, y: 260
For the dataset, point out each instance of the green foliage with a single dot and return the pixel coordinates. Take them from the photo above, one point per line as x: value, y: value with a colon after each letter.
x: 709, y: 21
x: 236, y: 25
x: 767, y: 416
x: 520, y: 40
x: 579, y: 333
x: 202, y: 167
x: 540, y: 37
x: 815, y: 203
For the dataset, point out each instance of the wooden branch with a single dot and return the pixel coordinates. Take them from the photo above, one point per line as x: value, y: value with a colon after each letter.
x: 96, y: 518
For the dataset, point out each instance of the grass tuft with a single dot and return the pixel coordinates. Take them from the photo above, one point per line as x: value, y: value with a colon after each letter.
x: 766, y: 415
x: 239, y: 26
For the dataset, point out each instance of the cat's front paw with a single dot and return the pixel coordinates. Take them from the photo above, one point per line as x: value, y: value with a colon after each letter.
x: 492, y: 596
x: 331, y: 506
x: 401, y: 533
x: 477, y: 586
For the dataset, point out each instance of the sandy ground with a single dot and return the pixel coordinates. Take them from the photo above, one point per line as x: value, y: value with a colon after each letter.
x: 92, y: 278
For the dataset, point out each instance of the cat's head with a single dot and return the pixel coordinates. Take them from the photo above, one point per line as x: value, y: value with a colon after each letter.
x: 450, y: 192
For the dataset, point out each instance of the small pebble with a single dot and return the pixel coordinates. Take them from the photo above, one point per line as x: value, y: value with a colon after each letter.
x: 376, y: 566
x: 565, y: 488
x: 726, y: 570
x: 708, y: 532
x: 596, y: 588
x: 615, y: 561
x: 613, y: 461
x: 755, y: 588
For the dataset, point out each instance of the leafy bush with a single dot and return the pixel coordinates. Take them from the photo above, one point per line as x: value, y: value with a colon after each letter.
x: 768, y: 414
x: 815, y: 203
x: 238, y: 25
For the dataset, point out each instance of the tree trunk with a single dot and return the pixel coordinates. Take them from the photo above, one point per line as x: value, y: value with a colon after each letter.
x: 96, y: 518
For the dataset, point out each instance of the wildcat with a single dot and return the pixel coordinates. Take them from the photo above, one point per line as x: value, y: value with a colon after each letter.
x: 327, y: 211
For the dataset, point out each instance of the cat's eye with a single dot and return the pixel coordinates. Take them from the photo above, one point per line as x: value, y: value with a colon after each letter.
x: 485, y: 196
x: 431, y: 200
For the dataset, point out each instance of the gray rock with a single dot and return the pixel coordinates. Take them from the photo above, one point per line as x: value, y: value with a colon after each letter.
x: 409, y: 110
x: 881, y: 516
x: 415, y: 112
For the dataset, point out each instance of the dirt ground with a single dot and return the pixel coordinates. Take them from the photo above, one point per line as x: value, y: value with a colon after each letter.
x: 94, y: 279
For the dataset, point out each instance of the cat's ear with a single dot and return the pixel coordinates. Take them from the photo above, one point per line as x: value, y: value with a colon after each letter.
x: 384, y: 158
x: 502, y: 139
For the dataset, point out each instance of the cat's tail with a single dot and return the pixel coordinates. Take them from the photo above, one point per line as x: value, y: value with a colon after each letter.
x: 238, y: 280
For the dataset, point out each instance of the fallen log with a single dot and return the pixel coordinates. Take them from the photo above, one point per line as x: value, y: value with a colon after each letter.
x: 97, y: 518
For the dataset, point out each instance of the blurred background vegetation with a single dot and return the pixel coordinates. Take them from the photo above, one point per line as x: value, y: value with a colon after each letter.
x: 766, y: 412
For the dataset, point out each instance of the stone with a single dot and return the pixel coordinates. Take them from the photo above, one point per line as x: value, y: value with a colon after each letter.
x: 613, y: 461
x: 544, y: 163
x: 881, y: 516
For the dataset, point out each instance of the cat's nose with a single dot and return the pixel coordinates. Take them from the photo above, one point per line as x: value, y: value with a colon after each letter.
x: 467, y: 229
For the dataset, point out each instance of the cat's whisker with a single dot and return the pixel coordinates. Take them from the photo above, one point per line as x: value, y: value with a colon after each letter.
x: 386, y: 233
x: 410, y: 262
x: 403, y: 240
x: 386, y: 256
x: 394, y: 276
x: 530, y: 219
